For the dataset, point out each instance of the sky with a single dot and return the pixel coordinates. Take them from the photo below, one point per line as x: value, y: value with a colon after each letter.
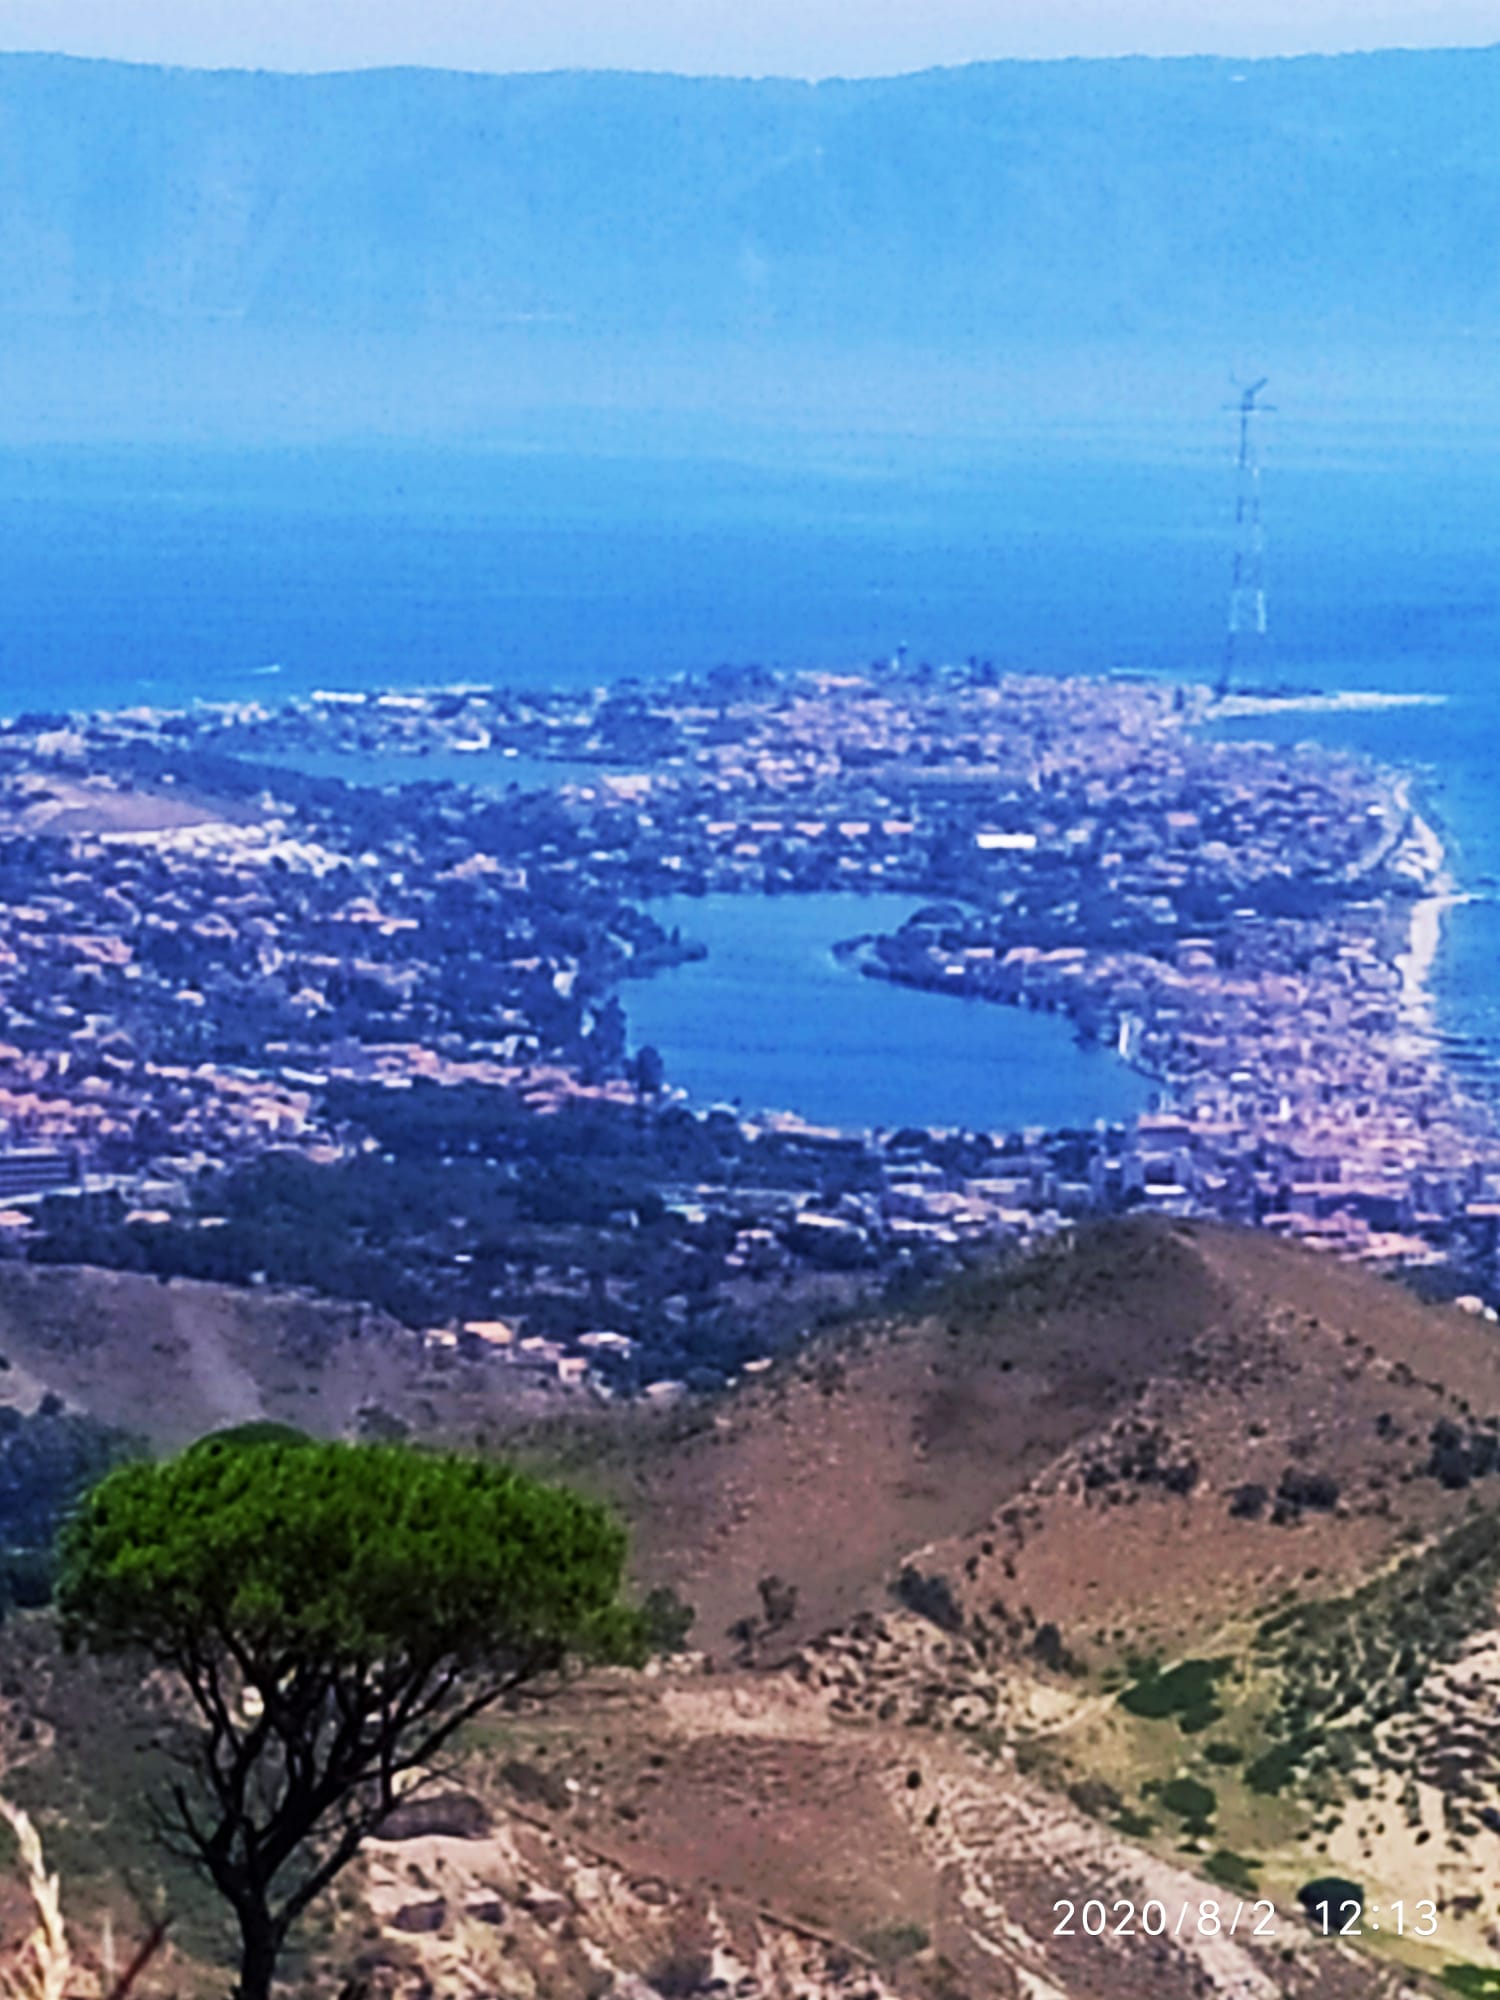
x: 738, y: 37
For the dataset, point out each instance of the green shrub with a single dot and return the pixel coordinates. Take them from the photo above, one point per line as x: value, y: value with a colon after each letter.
x: 667, y: 1620
x: 1231, y: 1870
x: 894, y: 1942
x: 1189, y: 1799
x: 1274, y: 1769
x: 1475, y: 1982
x: 1186, y: 1691
x: 1326, y: 1899
x: 931, y: 1597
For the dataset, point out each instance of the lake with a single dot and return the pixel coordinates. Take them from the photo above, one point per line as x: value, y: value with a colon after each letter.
x: 772, y: 1021
x: 493, y: 771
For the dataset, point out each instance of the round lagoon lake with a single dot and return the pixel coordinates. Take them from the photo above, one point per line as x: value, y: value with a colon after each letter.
x: 772, y: 1021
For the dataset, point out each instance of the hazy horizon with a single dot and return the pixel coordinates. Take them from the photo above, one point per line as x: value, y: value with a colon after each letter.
x: 793, y: 39
x: 956, y: 255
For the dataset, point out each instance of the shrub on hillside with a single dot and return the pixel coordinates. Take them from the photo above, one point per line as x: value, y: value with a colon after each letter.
x: 667, y: 1620
x: 1332, y: 1901
x: 931, y: 1597
x: 1313, y: 1492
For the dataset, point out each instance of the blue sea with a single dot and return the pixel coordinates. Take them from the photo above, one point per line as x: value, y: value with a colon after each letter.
x: 166, y: 576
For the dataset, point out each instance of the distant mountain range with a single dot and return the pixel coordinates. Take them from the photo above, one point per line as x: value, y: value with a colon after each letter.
x: 1348, y: 200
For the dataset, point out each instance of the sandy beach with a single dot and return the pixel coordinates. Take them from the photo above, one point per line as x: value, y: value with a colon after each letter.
x: 1424, y: 859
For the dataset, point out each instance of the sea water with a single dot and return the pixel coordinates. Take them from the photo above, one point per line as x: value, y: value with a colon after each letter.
x: 171, y: 576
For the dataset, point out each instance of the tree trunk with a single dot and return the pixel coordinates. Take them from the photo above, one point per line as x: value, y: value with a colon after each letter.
x: 259, y: 1948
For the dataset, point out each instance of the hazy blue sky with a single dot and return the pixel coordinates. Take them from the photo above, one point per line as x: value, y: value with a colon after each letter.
x: 790, y: 37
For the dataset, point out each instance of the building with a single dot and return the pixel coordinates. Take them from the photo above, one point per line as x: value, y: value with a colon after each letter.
x: 36, y: 1170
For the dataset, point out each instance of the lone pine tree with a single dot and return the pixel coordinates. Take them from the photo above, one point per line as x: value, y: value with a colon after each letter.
x: 336, y: 1612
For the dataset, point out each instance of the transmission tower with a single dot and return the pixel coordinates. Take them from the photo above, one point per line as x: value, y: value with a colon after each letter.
x: 1245, y: 640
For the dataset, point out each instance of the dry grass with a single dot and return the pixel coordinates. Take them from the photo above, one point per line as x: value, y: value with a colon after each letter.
x: 45, y: 1965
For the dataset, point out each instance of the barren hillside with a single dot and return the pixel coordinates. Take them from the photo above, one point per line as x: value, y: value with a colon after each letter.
x: 1160, y: 1571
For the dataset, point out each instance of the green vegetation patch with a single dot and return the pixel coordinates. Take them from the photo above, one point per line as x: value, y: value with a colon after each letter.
x: 48, y: 1461
x: 1190, y: 1800
x: 1275, y: 1768
x: 931, y: 1597
x: 667, y: 1619
x: 1187, y: 1691
x: 1475, y: 1982
x: 1350, y: 1663
x: 894, y: 1942
x: 1332, y: 1901
x: 1231, y: 1870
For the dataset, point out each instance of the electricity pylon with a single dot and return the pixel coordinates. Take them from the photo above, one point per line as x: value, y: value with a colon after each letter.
x: 1245, y: 639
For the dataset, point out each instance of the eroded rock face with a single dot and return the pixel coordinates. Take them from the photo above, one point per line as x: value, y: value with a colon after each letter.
x: 527, y: 1914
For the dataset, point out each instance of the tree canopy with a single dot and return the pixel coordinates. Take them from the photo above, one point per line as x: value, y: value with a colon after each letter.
x: 336, y: 1613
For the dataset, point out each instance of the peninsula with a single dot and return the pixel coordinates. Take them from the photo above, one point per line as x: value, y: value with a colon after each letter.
x: 370, y: 1034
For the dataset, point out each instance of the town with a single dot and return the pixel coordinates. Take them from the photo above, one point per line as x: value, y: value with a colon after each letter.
x: 369, y: 1033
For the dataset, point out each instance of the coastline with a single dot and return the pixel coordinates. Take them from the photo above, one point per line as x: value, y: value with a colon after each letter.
x: 1423, y: 856
x: 1347, y: 701
x: 1421, y: 853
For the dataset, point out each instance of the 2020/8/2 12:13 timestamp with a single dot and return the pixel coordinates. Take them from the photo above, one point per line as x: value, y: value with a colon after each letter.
x: 1348, y: 1917
x: 1335, y: 1916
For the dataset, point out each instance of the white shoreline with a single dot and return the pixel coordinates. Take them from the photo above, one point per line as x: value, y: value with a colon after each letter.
x: 1349, y: 701
x: 1416, y: 963
x: 1423, y: 858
